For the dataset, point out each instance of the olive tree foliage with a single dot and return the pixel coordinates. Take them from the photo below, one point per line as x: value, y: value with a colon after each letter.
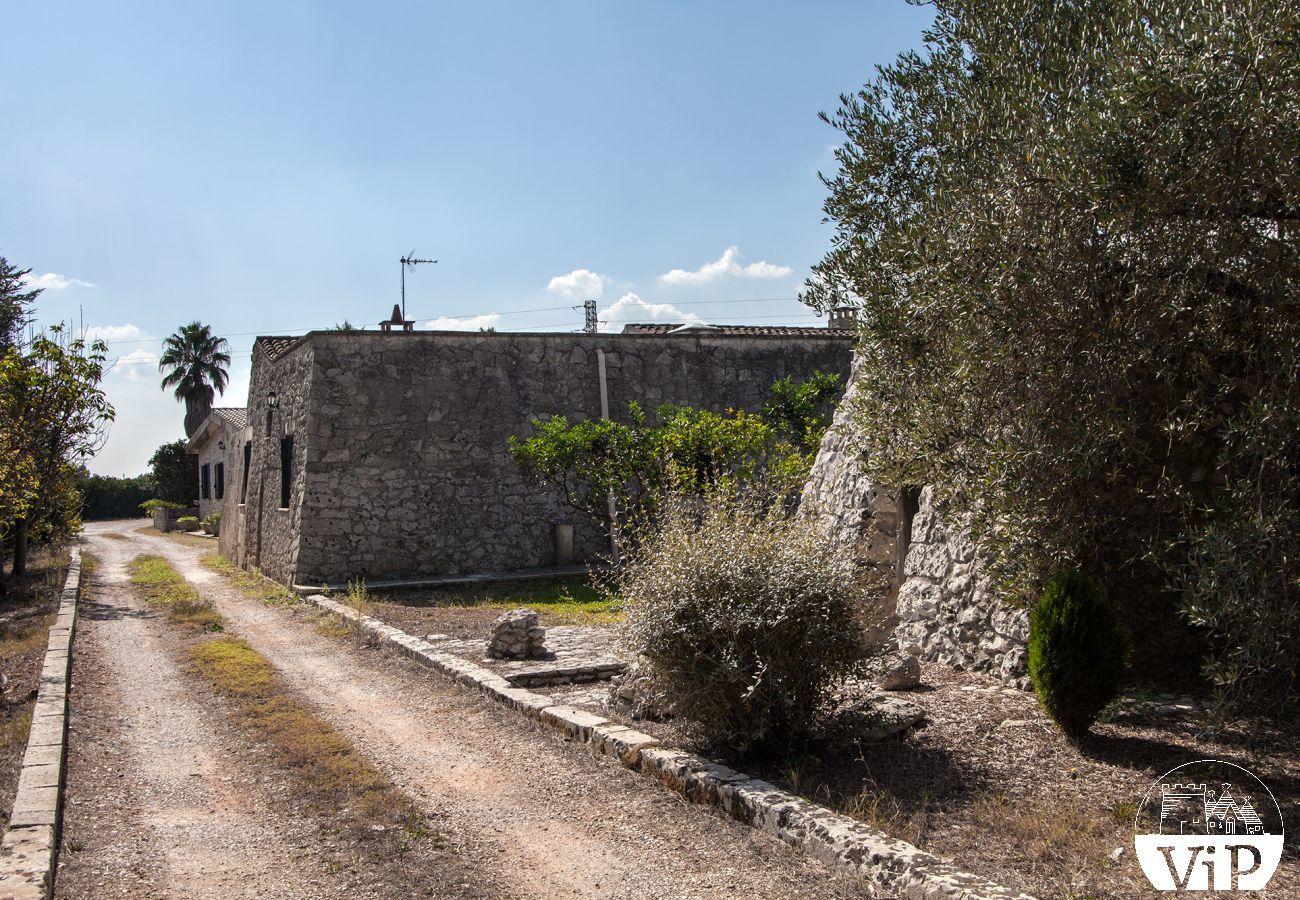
x: 1072, y: 230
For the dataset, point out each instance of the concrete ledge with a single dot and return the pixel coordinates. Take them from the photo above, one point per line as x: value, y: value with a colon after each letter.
x: 30, y: 847
x: 893, y: 867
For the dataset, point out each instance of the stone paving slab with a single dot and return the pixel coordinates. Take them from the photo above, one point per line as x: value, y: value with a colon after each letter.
x: 891, y: 866
x: 28, y: 851
x: 576, y: 654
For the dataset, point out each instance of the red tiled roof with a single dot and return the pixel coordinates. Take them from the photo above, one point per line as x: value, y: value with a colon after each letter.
x: 275, y: 346
x: 234, y: 416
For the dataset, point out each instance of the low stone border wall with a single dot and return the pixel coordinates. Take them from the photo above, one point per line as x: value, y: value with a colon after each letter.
x: 30, y: 847
x: 895, y: 867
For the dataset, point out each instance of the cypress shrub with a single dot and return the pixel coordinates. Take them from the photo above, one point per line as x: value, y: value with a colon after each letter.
x: 1077, y: 654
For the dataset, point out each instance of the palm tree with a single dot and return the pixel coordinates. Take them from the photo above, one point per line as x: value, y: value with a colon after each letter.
x: 197, y: 359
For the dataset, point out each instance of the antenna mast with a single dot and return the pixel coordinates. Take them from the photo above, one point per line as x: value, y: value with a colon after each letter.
x: 410, y: 260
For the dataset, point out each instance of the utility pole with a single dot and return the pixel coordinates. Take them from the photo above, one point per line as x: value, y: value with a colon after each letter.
x: 589, y: 307
x: 410, y: 260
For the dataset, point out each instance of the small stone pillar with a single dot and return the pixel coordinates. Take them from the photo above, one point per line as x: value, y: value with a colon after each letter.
x: 516, y: 635
x: 564, y: 545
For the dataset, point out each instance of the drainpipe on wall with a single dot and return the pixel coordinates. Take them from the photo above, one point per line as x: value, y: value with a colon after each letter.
x: 609, y: 500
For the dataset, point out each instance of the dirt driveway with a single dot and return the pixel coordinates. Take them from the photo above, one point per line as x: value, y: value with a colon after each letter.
x: 166, y: 799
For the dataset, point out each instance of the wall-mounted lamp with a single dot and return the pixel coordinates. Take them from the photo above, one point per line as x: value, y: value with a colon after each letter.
x: 272, y: 400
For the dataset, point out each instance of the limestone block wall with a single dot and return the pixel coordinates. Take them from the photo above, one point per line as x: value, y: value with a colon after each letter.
x: 403, y: 467
x: 943, y: 606
x: 268, y: 533
x: 946, y: 608
x: 860, y: 515
x: 211, y: 454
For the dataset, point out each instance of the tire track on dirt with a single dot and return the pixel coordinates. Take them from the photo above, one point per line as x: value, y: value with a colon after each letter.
x: 552, y: 821
x: 163, y: 799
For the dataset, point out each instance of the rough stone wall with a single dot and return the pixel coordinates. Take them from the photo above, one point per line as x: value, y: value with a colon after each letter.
x: 405, y: 468
x: 209, y: 454
x: 946, y: 609
x: 943, y: 607
x: 859, y: 515
x: 268, y: 533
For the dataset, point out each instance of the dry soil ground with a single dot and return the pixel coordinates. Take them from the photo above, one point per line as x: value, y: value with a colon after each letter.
x: 166, y: 798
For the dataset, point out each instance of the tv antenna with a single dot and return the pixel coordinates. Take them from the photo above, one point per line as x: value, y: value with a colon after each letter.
x: 409, y: 261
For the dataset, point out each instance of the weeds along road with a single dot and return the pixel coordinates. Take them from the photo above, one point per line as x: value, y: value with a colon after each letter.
x: 167, y: 798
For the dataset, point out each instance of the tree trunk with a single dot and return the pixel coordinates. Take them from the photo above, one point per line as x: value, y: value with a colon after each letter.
x: 197, y: 410
x: 20, y: 548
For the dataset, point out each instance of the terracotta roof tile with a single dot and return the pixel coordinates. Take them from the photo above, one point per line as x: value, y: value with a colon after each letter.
x: 275, y: 346
x: 234, y: 416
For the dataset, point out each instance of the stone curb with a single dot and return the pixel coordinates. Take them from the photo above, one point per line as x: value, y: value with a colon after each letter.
x: 30, y: 847
x: 895, y: 867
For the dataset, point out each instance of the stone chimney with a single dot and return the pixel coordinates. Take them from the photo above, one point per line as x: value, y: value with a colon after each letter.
x: 397, y: 319
x: 842, y: 318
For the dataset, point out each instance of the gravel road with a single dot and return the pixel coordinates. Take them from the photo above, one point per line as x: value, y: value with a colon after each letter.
x: 526, y: 814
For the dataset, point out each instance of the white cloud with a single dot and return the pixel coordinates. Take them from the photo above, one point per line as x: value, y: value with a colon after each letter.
x: 53, y: 281
x: 579, y: 285
x: 631, y: 308
x: 469, y: 323
x: 111, y: 333
x: 727, y: 264
x: 136, y: 365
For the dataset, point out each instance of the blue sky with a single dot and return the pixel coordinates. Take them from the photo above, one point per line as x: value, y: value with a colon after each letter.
x: 263, y: 166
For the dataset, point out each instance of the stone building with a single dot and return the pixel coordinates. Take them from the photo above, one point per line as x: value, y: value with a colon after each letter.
x: 383, y: 455
x: 217, y: 443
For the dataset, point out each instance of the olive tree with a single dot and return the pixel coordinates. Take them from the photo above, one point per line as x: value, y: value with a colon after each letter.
x: 1072, y: 230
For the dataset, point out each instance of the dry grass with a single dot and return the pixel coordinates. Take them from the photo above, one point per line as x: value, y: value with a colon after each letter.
x: 468, y: 610
x: 988, y: 781
x: 179, y: 537
x: 1054, y: 837
x: 22, y: 642
x: 253, y: 585
x: 358, y: 600
x: 160, y: 585
x: 114, y: 535
x: 28, y: 610
x: 14, y: 730
x: 329, y: 772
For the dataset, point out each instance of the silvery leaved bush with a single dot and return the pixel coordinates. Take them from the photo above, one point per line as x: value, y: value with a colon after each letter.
x: 745, y: 619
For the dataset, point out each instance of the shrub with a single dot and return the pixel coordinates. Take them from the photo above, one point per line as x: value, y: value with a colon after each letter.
x: 187, y: 523
x: 107, y: 497
x: 1077, y: 655
x: 745, y: 620
x: 155, y: 503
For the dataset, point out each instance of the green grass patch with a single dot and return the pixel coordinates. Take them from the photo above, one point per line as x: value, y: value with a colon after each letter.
x: 335, y: 779
x: 160, y: 585
x: 560, y: 601
x: 253, y: 585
